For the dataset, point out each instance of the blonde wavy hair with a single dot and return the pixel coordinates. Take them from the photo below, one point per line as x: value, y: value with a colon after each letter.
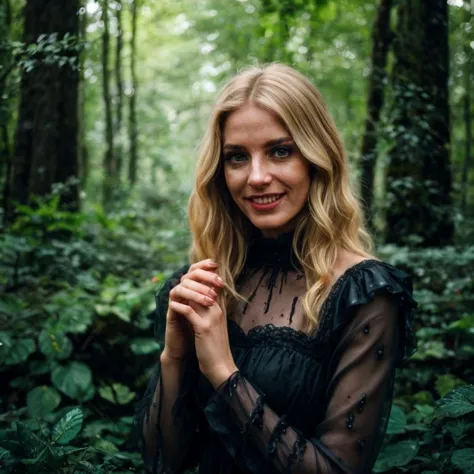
x: 331, y: 220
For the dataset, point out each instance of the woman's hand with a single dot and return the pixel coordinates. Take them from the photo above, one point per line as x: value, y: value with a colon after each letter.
x: 197, y: 286
x: 210, y: 338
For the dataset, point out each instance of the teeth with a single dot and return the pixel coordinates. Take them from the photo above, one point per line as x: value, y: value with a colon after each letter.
x: 266, y: 200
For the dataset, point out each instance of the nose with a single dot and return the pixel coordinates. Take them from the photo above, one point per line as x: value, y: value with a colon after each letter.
x: 259, y: 174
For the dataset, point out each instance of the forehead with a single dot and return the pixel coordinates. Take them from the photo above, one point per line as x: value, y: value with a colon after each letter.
x: 252, y: 124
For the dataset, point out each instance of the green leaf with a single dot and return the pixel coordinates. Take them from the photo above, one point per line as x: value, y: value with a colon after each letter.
x: 56, y: 346
x: 105, y: 446
x: 30, y: 442
x: 445, y: 383
x: 73, y: 379
x: 20, y: 351
x: 67, y: 428
x: 144, y: 345
x: 117, y: 394
x: 397, y: 421
x: 6, y: 458
x: 105, y: 310
x: 457, y: 403
x: 39, y: 367
x: 464, y: 460
x: 396, y: 455
x: 42, y: 400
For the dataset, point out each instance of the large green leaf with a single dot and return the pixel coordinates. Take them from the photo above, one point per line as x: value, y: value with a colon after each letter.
x: 19, y: 351
x: 464, y: 460
x: 42, y: 400
x: 56, y: 346
x: 117, y: 394
x: 397, y: 421
x: 457, y: 403
x: 396, y: 455
x: 67, y: 428
x: 73, y: 379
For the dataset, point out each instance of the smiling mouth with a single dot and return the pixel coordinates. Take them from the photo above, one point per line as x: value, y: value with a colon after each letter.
x: 266, y: 199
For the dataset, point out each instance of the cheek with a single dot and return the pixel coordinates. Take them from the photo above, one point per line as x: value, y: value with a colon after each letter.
x: 232, y: 181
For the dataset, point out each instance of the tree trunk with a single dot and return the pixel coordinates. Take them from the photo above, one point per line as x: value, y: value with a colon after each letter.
x: 132, y: 168
x: 419, y: 174
x: 119, y: 83
x: 45, y: 150
x: 467, y: 112
x: 81, y: 138
x: 5, y: 109
x: 381, y: 37
x: 109, y: 161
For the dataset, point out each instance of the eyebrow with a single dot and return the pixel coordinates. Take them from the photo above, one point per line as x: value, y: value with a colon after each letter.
x: 276, y: 141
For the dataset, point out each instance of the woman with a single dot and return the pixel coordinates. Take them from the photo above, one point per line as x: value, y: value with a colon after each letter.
x: 280, y: 352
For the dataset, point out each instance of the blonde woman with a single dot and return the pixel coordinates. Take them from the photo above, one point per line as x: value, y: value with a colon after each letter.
x: 282, y: 338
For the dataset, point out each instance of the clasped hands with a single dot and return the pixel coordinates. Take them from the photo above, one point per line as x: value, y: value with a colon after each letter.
x: 194, y: 313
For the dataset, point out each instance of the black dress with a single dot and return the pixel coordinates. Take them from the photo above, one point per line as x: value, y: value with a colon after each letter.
x: 302, y: 403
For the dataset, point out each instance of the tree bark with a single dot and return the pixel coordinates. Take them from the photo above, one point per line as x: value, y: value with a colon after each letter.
x: 133, y: 133
x: 109, y: 161
x: 419, y: 209
x: 5, y: 110
x: 467, y: 112
x: 81, y: 139
x: 381, y: 38
x: 45, y: 150
x: 119, y: 84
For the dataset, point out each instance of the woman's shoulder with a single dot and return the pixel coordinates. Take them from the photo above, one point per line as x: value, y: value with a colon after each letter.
x: 359, y: 280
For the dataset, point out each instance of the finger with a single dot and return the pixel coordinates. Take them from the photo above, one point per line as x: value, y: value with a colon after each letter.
x: 199, y: 288
x: 204, y: 276
x: 208, y: 263
x: 188, y: 312
x: 180, y: 292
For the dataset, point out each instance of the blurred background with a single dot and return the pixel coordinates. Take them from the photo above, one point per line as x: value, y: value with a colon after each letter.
x: 102, y: 106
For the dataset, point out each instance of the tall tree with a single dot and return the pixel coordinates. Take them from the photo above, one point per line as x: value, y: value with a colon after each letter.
x: 132, y: 126
x: 45, y: 150
x: 81, y: 138
x: 109, y: 160
x: 467, y: 73
x: 119, y: 84
x: 381, y: 38
x: 419, y: 175
x: 6, y: 64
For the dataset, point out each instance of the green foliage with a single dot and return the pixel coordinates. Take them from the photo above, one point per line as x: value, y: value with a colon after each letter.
x: 78, y: 293
x: 417, y: 447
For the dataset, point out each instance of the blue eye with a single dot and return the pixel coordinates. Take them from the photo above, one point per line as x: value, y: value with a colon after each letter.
x: 282, y: 152
x: 235, y: 157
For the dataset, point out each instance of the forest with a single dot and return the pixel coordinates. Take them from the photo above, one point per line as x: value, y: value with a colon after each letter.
x: 102, y: 106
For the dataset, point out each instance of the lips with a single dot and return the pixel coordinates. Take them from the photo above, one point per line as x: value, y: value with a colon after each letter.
x: 266, y: 203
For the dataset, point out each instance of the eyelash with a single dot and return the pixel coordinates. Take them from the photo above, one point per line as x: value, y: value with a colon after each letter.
x: 288, y: 149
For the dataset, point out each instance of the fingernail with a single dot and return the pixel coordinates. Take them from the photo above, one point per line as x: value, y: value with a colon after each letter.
x: 219, y: 280
x: 212, y: 263
x: 209, y: 301
x: 212, y: 294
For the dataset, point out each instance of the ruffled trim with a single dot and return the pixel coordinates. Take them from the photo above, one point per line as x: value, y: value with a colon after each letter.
x: 360, y: 284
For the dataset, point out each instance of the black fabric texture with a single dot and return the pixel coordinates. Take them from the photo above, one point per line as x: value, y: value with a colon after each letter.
x: 302, y: 403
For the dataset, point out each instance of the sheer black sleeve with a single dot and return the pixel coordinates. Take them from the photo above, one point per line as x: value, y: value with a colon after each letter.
x: 164, y: 446
x: 358, y: 402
